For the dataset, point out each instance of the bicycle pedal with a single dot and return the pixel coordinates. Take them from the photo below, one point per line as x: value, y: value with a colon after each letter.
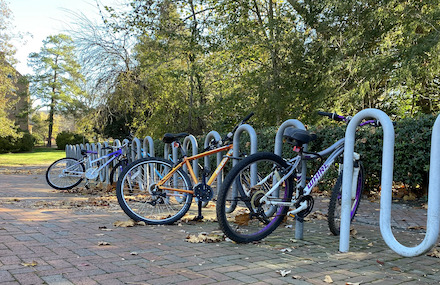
x: 292, y: 215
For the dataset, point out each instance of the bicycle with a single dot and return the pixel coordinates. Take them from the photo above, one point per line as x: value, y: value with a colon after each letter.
x: 260, y: 206
x: 68, y: 172
x: 159, y: 191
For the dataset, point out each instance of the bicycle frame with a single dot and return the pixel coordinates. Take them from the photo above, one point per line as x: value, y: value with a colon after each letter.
x: 186, y: 161
x: 89, y: 163
x: 333, y: 152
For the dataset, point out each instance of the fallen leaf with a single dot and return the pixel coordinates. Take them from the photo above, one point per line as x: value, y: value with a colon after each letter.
x: 124, y: 224
x: 32, y: 264
x: 328, y: 279
x: 370, y: 244
x: 296, y: 277
x: 102, y: 243
x: 355, y: 283
x: 380, y: 262
x: 205, y: 237
x: 133, y: 253
x: 395, y: 268
x: 284, y: 273
x: 286, y: 249
x: 434, y: 253
x: 242, y: 219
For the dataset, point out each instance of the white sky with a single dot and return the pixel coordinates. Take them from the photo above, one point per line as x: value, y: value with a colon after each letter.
x: 42, y: 18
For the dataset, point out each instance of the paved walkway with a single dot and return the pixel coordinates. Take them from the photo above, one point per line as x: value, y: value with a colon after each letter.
x: 49, y: 237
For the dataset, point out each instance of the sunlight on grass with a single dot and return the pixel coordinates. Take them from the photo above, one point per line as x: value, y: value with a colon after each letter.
x: 40, y: 156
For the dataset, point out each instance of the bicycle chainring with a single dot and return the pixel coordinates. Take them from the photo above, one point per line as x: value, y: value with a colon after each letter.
x: 308, y: 210
x: 203, y: 192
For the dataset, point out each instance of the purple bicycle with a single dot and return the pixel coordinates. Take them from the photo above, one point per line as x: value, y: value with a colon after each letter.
x: 250, y: 206
x: 68, y: 172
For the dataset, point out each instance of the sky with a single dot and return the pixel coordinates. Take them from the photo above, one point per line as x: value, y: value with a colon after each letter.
x: 38, y: 19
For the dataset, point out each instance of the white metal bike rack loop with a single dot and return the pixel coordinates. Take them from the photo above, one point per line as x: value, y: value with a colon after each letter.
x: 433, y: 219
x: 236, y: 148
x: 299, y: 226
x: 148, y: 144
x: 214, y: 135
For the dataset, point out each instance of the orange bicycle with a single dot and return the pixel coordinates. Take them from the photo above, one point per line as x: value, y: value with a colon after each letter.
x: 158, y: 191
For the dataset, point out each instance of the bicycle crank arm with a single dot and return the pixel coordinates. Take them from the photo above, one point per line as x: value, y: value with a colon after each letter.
x: 302, y: 206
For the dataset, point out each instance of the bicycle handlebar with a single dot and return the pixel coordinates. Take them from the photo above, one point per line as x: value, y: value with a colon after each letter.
x: 333, y: 116
x: 229, y: 136
x: 337, y: 117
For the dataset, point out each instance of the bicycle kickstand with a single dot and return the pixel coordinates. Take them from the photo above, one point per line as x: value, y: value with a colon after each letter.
x: 199, y: 211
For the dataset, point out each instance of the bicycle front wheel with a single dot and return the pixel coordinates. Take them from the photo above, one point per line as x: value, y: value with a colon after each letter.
x: 65, y: 173
x: 247, y: 208
x: 334, y: 208
x: 141, y: 199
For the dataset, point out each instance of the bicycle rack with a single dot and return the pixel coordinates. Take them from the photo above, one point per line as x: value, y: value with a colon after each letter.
x: 236, y: 153
x: 136, y: 149
x: 433, y: 219
x: 299, y: 226
x: 216, y: 136
x: 103, y: 174
x: 195, y: 149
x: 150, y: 148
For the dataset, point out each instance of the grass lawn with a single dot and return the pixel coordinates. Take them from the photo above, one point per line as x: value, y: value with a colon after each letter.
x: 39, y: 156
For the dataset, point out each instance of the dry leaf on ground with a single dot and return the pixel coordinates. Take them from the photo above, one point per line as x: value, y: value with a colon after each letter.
x: 328, y: 279
x: 102, y: 243
x: 31, y: 264
x: 434, y: 253
x: 204, y: 237
x: 283, y: 273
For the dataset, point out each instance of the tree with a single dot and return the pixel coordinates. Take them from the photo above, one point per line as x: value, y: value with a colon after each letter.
x: 7, y: 72
x: 57, y: 78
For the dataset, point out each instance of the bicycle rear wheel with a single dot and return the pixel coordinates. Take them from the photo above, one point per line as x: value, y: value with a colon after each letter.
x: 65, y: 173
x: 117, y: 170
x: 141, y: 200
x: 241, y: 213
x: 334, y: 209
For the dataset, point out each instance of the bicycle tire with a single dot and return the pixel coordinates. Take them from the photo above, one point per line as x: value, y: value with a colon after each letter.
x: 118, y: 167
x: 247, y: 221
x: 142, y: 202
x: 334, y: 208
x: 56, y: 175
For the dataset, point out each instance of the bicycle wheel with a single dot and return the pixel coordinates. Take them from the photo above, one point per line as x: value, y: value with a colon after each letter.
x: 141, y: 200
x: 65, y: 173
x: 334, y: 208
x: 249, y: 220
x: 117, y: 170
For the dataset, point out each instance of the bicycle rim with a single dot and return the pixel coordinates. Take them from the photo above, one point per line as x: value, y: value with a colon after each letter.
x: 241, y: 212
x: 141, y: 200
x: 334, y: 212
x: 65, y: 173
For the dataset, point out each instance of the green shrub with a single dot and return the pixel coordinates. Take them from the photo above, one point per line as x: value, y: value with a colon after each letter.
x: 64, y: 138
x: 24, y: 143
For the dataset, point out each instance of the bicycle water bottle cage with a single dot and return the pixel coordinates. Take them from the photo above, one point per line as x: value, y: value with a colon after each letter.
x: 298, y: 137
x: 169, y: 138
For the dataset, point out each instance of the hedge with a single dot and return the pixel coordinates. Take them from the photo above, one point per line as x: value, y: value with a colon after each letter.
x: 24, y: 143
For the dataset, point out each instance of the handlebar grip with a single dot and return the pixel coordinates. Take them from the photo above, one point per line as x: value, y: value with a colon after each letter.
x: 333, y: 116
x: 247, y: 117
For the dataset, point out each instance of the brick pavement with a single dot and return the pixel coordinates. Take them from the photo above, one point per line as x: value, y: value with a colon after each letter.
x: 53, y: 245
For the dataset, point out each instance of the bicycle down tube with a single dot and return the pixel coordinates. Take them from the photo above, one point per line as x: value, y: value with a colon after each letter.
x: 186, y: 161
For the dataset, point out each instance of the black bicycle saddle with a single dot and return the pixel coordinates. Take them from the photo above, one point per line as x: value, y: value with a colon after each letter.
x: 169, y: 138
x: 300, y: 136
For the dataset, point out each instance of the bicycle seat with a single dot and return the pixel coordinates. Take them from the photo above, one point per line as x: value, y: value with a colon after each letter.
x: 300, y: 136
x: 169, y: 138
